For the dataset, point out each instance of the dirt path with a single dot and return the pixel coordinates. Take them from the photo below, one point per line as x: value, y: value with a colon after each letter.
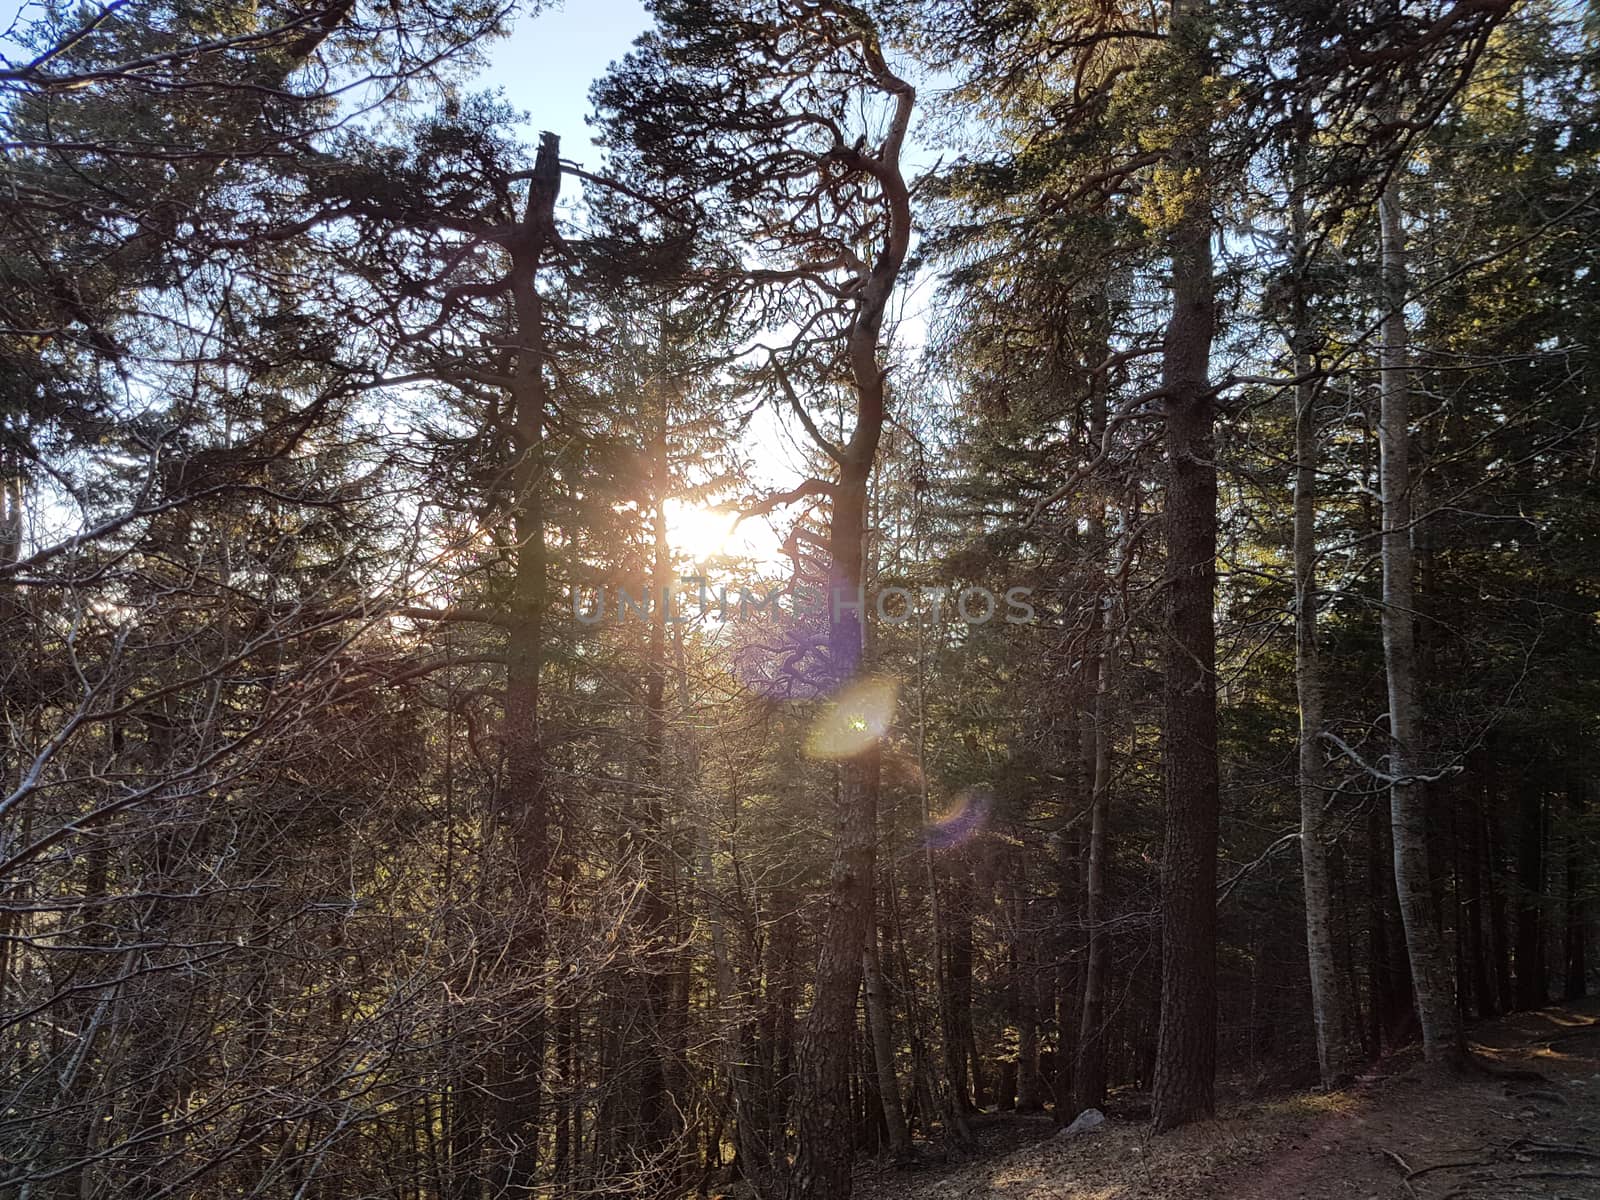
x: 1393, y: 1137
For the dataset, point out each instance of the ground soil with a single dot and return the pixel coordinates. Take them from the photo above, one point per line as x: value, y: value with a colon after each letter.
x: 1397, y: 1134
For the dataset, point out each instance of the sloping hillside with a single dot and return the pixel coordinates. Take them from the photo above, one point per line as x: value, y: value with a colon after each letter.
x: 1395, y: 1136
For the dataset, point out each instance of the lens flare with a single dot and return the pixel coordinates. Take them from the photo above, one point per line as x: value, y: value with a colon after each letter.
x: 960, y: 825
x: 853, y: 720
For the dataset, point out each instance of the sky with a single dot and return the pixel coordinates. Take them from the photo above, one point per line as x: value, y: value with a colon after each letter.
x: 545, y: 69
x: 547, y: 64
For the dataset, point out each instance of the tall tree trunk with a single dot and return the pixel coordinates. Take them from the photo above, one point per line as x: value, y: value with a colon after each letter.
x: 1071, y: 919
x: 953, y: 1094
x: 1430, y: 966
x: 518, y: 1076
x: 1089, y: 1076
x: 881, y: 1026
x: 1186, y: 1050
x: 880, y: 1008
x: 1576, y: 983
x: 866, y: 1106
x: 823, y: 1097
x: 1463, y: 927
x: 1532, y: 983
x: 1089, y: 1070
x: 821, y: 1169
x: 1377, y: 933
x: 653, y: 1048
x: 1494, y: 851
x: 965, y: 1079
x: 1021, y: 985
x: 1475, y: 912
x: 1337, y: 1049
x: 1089, y: 1055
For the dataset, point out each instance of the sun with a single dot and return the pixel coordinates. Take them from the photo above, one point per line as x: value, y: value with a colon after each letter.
x: 703, y: 532
x: 696, y: 532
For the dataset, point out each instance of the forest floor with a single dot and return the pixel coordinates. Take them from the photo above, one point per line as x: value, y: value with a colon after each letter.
x: 1395, y: 1135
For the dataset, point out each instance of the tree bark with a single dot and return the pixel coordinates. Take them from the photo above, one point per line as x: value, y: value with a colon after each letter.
x: 880, y: 1023
x: 1474, y: 909
x: 652, y: 1047
x: 1388, y: 973
x: 518, y: 1080
x: 821, y: 1169
x: 965, y: 1076
x: 1089, y: 1076
x: 1022, y: 984
x: 1337, y: 1049
x: 1494, y: 851
x: 1576, y: 983
x: 823, y: 1101
x: 1532, y: 978
x: 952, y: 1095
x: 1186, y: 1050
x: 1430, y: 967
x: 1088, y: 1054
